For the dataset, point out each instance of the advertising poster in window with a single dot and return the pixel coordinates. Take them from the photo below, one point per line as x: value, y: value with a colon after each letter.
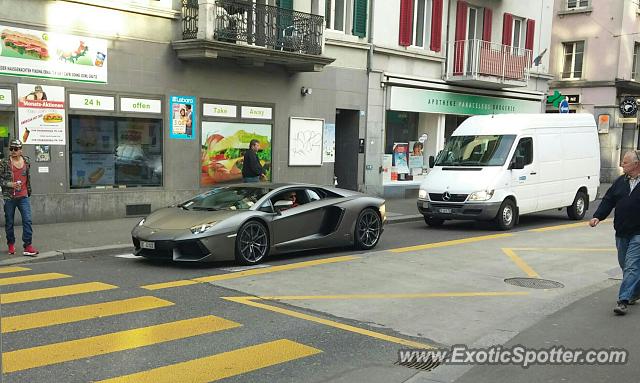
x: 401, y: 157
x: 41, y: 114
x: 183, y: 116
x: 92, y: 134
x: 41, y: 54
x: 92, y: 169
x: 223, y: 147
x: 329, y: 143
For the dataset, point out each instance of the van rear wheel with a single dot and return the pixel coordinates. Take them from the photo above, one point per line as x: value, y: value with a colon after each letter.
x: 507, y: 214
x: 578, y: 208
x: 432, y: 221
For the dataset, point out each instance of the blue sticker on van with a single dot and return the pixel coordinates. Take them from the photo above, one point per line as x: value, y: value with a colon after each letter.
x: 522, y: 178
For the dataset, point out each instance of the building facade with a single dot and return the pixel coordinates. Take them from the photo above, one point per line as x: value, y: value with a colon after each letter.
x: 433, y: 63
x: 148, y: 102
x: 594, y: 59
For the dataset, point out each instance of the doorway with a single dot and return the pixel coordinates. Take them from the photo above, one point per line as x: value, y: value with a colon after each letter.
x: 6, y: 132
x: 347, y: 145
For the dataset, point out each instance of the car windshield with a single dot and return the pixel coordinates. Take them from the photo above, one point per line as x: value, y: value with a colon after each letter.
x: 226, y: 198
x: 476, y: 150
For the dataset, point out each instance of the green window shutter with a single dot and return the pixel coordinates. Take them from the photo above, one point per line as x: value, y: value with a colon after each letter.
x: 286, y: 4
x: 359, y: 18
x: 285, y: 17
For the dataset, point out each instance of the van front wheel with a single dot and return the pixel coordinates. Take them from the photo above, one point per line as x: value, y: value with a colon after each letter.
x: 578, y: 208
x: 434, y: 222
x: 506, y: 217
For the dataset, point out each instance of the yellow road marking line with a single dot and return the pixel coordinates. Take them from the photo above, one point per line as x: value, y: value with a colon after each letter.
x: 248, y: 273
x: 392, y: 296
x: 32, y: 278
x: 105, y: 344
x: 560, y: 227
x: 250, y: 301
x: 225, y: 365
x: 520, y: 263
x: 51, y: 292
x: 12, y: 269
x: 450, y: 243
x: 607, y: 250
x: 80, y: 313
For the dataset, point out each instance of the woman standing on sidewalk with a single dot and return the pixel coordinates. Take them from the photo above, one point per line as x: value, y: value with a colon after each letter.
x: 16, y: 190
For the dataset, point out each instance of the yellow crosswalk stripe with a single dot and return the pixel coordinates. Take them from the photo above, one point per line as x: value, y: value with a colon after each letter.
x: 80, y: 313
x: 52, y: 292
x: 12, y: 269
x: 32, y: 278
x: 225, y: 365
x: 118, y: 341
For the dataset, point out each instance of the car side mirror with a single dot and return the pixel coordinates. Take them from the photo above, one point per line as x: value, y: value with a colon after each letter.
x: 518, y: 162
x: 282, y: 205
x: 432, y: 162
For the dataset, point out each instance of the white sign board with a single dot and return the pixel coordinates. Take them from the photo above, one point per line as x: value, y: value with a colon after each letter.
x: 91, y: 102
x: 256, y: 112
x: 305, y: 141
x: 41, y: 114
x: 219, y: 110
x: 5, y: 97
x: 140, y: 105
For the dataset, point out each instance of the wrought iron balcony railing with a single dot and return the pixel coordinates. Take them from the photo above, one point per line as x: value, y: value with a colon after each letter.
x: 238, y: 21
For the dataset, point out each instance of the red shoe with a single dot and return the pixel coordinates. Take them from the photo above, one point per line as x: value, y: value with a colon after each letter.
x: 30, y: 251
x: 12, y: 248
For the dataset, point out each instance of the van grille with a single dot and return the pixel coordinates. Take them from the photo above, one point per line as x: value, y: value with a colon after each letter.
x: 454, y: 197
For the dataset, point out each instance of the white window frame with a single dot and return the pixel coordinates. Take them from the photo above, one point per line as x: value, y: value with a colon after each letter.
x: 579, y: 4
x: 518, y: 43
x: 426, y: 20
x: 572, y: 72
x: 635, y: 69
x: 332, y: 12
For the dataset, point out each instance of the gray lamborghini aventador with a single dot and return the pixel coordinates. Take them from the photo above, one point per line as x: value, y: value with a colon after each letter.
x: 250, y: 221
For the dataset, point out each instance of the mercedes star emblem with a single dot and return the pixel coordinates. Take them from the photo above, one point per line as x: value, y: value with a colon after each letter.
x: 446, y: 196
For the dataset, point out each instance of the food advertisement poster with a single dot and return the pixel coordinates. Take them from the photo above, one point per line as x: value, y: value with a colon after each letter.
x: 183, y: 116
x: 401, y: 157
x: 329, y: 143
x: 41, y: 114
x: 223, y: 147
x: 92, y: 134
x: 33, y: 53
x: 92, y: 169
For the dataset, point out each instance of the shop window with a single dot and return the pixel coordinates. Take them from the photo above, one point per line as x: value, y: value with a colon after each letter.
x: 113, y: 151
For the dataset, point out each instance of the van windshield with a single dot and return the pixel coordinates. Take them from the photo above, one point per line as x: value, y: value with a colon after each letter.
x: 475, y: 151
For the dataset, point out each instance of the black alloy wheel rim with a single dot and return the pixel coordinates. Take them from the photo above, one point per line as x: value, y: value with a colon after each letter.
x: 369, y: 228
x: 253, y: 242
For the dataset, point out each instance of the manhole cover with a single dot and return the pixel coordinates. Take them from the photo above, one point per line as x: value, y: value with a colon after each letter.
x: 534, y: 283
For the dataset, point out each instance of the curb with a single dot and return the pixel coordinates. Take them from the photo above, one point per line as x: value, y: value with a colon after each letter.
x: 87, y: 252
x: 404, y: 219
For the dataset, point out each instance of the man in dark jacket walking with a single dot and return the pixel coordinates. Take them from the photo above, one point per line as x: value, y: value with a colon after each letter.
x: 251, y: 169
x: 624, y: 196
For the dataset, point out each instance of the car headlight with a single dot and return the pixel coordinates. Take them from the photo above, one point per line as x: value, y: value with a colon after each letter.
x: 422, y: 194
x: 481, y: 195
x: 141, y: 222
x: 199, y: 229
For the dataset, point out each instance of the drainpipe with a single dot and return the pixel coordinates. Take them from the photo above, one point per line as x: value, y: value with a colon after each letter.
x: 369, y: 69
x: 446, y: 44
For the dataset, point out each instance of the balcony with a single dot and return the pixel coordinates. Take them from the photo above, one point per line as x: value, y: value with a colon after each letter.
x: 252, y: 34
x: 487, y: 64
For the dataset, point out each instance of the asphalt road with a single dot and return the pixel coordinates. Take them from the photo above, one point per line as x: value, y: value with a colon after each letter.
x: 108, y: 317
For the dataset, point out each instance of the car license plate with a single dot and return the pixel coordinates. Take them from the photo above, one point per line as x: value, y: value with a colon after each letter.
x: 445, y: 211
x: 147, y: 245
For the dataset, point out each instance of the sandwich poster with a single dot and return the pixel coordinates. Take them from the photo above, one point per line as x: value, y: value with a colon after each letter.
x: 92, y: 169
x: 33, y: 53
x: 182, y: 117
x: 223, y: 147
x: 41, y: 114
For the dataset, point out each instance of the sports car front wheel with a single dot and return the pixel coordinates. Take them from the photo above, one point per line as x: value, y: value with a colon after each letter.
x: 252, y: 243
x: 368, y: 229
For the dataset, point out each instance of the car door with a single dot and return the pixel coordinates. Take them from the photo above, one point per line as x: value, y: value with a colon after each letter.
x: 297, y: 227
x: 525, y: 182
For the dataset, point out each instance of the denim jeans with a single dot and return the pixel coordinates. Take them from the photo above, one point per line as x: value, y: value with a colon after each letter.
x: 25, y: 212
x: 629, y: 260
x: 251, y: 179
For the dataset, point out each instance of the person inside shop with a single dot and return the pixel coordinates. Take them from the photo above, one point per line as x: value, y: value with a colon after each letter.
x: 16, y: 190
x: 252, y: 171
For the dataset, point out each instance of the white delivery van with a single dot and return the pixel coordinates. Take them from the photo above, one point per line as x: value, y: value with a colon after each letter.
x: 499, y: 167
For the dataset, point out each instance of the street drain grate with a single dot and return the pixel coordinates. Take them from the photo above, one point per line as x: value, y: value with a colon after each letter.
x: 534, y: 283
x: 425, y: 365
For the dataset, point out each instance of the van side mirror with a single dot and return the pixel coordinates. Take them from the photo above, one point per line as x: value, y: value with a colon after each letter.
x: 432, y: 162
x: 518, y: 162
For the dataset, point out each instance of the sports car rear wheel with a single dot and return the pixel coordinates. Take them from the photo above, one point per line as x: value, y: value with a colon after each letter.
x: 368, y: 229
x: 252, y: 243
